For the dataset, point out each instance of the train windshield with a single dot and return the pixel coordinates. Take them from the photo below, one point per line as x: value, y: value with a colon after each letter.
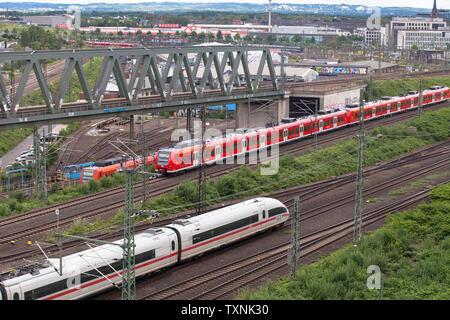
x: 88, y: 173
x: 69, y: 170
x: 163, y: 157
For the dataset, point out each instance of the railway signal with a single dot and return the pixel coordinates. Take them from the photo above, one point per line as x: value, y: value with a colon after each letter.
x: 57, y: 218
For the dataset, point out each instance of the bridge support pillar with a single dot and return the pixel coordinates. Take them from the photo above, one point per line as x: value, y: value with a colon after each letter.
x: 188, y: 120
x: 131, y: 127
x: 261, y: 112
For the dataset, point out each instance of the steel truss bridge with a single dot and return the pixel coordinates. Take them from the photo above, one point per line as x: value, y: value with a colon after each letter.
x: 179, y: 78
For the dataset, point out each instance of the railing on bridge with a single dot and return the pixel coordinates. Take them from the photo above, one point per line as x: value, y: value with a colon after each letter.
x: 186, y: 77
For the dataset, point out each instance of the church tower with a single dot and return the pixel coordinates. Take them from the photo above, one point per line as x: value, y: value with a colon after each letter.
x: 434, y: 12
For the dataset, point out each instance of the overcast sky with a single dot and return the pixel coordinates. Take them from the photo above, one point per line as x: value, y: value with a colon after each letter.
x: 442, y: 4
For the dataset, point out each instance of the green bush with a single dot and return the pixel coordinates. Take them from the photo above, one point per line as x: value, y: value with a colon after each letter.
x: 10, y: 138
x: 411, y: 251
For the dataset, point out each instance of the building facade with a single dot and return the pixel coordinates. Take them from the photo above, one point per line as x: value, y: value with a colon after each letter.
x: 371, y: 36
x: 423, y: 39
x: 419, y: 32
x: 46, y: 21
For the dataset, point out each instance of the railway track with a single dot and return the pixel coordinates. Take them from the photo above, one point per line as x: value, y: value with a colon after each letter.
x: 225, y: 280
x: 116, y: 202
x: 305, y: 191
x: 68, y: 148
x: 312, y: 244
x: 260, y: 265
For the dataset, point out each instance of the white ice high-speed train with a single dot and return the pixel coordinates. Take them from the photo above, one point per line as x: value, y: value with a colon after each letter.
x: 100, y: 267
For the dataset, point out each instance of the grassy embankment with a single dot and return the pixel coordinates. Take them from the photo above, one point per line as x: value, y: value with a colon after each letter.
x: 11, y: 138
x: 395, y: 87
x: 411, y: 251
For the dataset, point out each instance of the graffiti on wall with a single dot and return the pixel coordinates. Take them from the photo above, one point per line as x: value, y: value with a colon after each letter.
x: 340, y: 70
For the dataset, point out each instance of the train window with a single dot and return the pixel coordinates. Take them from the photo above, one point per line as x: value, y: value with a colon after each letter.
x: 224, y: 229
x: 281, y: 134
x: 16, y: 296
x: 264, y: 214
x: 276, y: 211
x: 173, y: 245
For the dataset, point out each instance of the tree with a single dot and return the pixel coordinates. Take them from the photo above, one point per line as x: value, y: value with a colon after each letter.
x: 219, y: 35
x: 38, y: 38
x: 202, y: 36
x: 297, y: 38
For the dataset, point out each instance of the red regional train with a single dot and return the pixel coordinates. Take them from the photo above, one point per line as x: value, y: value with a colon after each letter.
x: 102, y: 44
x: 99, y: 44
x: 97, y: 172
x: 186, y: 155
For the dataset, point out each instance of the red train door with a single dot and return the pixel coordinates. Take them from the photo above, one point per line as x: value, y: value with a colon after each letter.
x: 195, y: 160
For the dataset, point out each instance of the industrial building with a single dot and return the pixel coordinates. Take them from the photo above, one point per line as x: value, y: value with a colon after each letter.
x: 47, y: 21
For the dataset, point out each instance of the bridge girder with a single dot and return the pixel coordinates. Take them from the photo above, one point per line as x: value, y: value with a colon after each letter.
x: 177, y: 83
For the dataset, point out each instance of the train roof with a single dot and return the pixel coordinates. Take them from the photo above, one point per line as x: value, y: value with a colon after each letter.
x: 87, y: 259
x: 107, y: 162
x: 226, y: 213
